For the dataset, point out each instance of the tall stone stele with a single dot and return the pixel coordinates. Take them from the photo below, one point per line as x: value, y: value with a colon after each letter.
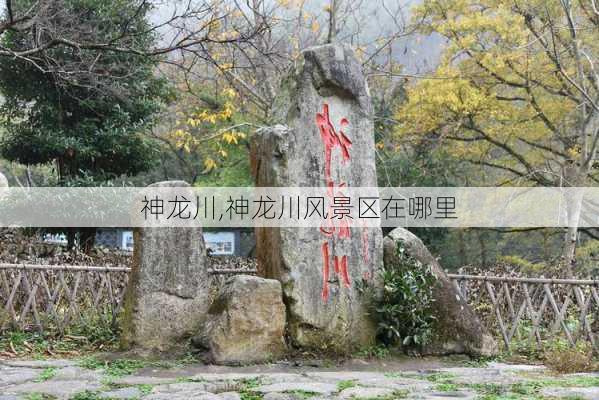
x: 326, y: 90
x: 168, y: 294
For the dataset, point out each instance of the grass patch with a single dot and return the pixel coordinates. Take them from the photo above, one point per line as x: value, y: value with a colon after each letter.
x: 183, y: 379
x: 446, y: 387
x: 529, y: 390
x: 145, y: 388
x: 396, y: 394
x: 114, y: 368
x: 374, y: 352
x: 47, y: 373
x: 250, y: 396
x: 399, y: 375
x: 479, y: 362
x: 38, y: 396
x: 440, y: 377
x: 526, y: 388
x: 488, y: 389
x: 565, y: 359
x: 122, y: 367
x: 342, y: 385
x: 96, y: 333
x: 302, y: 394
x: 250, y: 383
x: 87, y: 395
x: 247, y: 390
x: 579, y: 381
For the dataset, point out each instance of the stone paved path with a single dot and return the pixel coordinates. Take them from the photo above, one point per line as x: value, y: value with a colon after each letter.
x: 69, y: 379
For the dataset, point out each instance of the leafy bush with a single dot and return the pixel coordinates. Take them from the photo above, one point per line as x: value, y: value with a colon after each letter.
x: 523, y: 265
x: 373, y: 352
x: 403, y: 306
x: 563, y: 358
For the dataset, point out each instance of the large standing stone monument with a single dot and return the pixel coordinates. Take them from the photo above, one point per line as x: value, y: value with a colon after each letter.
x: 324, y: 138
x: 168, y: 294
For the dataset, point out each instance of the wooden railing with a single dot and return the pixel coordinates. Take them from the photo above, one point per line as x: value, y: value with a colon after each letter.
x: 55, y: 296
x: 518, y: 310
x: 534, y: 310
x: 52, y: 297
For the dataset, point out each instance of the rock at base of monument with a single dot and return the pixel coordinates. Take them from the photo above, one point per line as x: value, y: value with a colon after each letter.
x: 458, y: 329
x: 162, y: 323
x: 168, y: 293
x: 246, y: 322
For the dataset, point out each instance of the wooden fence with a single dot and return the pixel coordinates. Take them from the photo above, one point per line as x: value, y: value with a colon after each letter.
x: 534, y: 310
x: 50, y: 297
x: 53, y: 297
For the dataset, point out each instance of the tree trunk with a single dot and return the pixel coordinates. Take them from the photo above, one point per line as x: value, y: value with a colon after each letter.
x: 571, y: 239
x: 462, y: 253
x: 573, y: 177
x: 484, y: 260
x: 334, y: 7
x: 71, y: 235
x: 87, y: 239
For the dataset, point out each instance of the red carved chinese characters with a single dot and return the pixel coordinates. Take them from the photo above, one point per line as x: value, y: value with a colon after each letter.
x: 332, y: 140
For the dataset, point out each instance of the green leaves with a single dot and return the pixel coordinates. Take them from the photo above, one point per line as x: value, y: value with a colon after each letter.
x: 92, y: 123
x: 403, y: 307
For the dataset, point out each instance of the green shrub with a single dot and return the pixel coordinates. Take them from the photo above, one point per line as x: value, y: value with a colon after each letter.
x: 114, y: 368
x: 342, y: 385
x: 522, y: 264
x: 374, y: 352
x: 403, y: 306
x: 563, y: 358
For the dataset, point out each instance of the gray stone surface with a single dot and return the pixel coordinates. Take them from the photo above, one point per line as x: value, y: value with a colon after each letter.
x: 188, y: 390
x: 278, y: 396
x: 183, y: 396
x: 124, y: 393
x: 211, y: 377
x: 60, y: 390
x: 185, y: 387
x: 313, y: 387
x: 292, y: 153
x: 229, y: 396
x: 486, y: 374
x: 142, y: 380
x: 358, y: 392
x: 168, y: 292
x: 39, y: 363
x: 588, y: 393
x: 458, y: 328
x: 372, y: 379
x: 12, y: 376
x: 225, y: 385
x: 246, y: 321
x: 377, y: 381
x: 457, y: 395
x: 516, y: 367
x: 72, y: 373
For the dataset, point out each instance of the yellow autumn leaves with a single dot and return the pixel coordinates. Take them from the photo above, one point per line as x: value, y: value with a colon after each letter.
x: 495, y: 84
x: 205, y: 131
